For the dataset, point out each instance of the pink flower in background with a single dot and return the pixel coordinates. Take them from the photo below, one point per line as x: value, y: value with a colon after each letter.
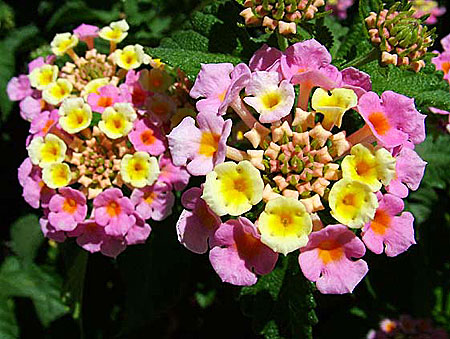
x: 200, y: 148
x: 30, y: 108
x: 212, y: 84
x: 393, y: 120
x: 85, y: 31
x: 67, y: 208
x: 153, y: 202
x: 442, y: 63
x: 197, y: 223
x: 44, y: 122
x: 327, y: 259
x: 160, y: 108
x: 266, y: 59
x: 114, y: 212
x: 40, y: 61
x: 445, y: 42
x: 147, y: 137
x: 238, y: 255
x: 339, y: 7
x: 132, y: 86
x: 176, y: 177
x: 396, y: 233
x: 93, y: 238
x: 356, y: 80
x: 19, y: 88
x: 423, y: 7
x: 409, y: 169
x: 108, y: 96
x: 49, y: 231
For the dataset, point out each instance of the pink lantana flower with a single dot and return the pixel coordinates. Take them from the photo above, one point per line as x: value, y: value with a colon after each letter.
x: 19, y: 88
x: 132, y: 86
x: 339, y: 7
x: 203, y: 147
x: 395, y: 232
x: 266, y: 59
x: 327, y: 259
x: 153, y: 202
x: 107, y: 97
x: 442, y: 112
x: 212, y: 84
x: 445, y: 42
x: 147, y: 137
x: 49, y: 231
x: 35, y: 192
x: 176, y: 177
x: 93, y: 238
x: 393, y: 120
x: 197, y: 223
x: 44, y: 122
x: 271, y: 98
x: 356, y: 80
x: 442, y: 63
x: 67, y: 208
x: 409, y: 169
x: 139, y: 232
x: 160, y: 108
x: 86, y: 33
x: 114, y: 212
x: 30, y: 108
x: 40, y: 61
x: 238, y: 255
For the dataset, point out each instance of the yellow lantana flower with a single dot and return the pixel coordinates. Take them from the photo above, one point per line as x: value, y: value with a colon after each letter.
x: 233, y: 188
x: 139, y: 169
x: 131, y: 57
x: 117, y: 121
x: 352, y: 203
x: 369, y: 166
x: 333, y: 106
x: 93, y: 86
x: 56, y: 175
x: 41, y: 77
x: 46, y: 150
x: 115, y: 32
x: 284, y: 225
x: 63, y: 42
x: 57, y: 91
x: 75, y: 115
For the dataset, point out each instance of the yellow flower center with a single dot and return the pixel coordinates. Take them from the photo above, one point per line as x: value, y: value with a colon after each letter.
x: 271, y: 100
x: 69, y: 206
x: 209, y: 143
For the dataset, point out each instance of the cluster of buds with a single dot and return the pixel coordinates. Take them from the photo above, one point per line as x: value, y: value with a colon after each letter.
x: 294, y: 168
x: 284, y: 14
x: 98, y: 163
x: 402, y: 38
x: 407, y: 327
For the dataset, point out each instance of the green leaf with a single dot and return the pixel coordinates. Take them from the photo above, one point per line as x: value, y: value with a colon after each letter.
x: 281, y: 303
x: 8, y: 323
x: 41, y: 285
x: 26, y: 237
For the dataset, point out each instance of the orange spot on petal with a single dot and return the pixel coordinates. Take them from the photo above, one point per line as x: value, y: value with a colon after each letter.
x: 209, y: 143
x: 381, y: 222
x: 113, y: 209
x: 69, y: 206
x: 330, y: 250
x: 147, y: 137
x: 446, y: 67
x: 380, y: 122
x: 105, y: 101
x: 47, y: 126
x: 149, y: 197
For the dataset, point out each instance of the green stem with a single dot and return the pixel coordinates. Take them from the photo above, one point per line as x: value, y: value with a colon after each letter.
x: 282, y: 41
x: 374, y: 54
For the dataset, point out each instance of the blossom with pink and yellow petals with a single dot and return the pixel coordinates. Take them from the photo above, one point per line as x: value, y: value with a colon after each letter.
x: 387, y: 231
x: 197, y: 223
x: 67, y: 208
x: 409, y: 170
x: 327, y: 259
x: 114, y: 212
x: 442, y: 63
x: 200, y: 148
x: 19, y: 88
x: 107, y: 96
x: 238, y: 255
x: 393, y: 119
x: 147, y: 137
x: 176, y: 177
x: 271, y: 98
x: 153, y: 202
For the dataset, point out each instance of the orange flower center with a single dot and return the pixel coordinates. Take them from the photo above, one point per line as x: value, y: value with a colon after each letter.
x: 330, y: 250
x: 381, y: 222
x: 446, y: 67
x: 47, y: 126
x: 69, y: 206
x: 362, y: 168
x: 149, y: 197
x: 380, y: 122
x: 147, y: 137
x: 105, y: 101
x: 209, y: 144
x: 113, y: 209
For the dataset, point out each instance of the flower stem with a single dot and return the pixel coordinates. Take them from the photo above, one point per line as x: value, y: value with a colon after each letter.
x: 374, y: 54
x: 235, y: 154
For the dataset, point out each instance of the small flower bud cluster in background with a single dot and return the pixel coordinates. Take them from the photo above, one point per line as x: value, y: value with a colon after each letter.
x: 402, y: 38
x: 281, y: 14
x: 407, y: 327
x: 296, y: 180
x: 98, y: 163
x: 339, y: 7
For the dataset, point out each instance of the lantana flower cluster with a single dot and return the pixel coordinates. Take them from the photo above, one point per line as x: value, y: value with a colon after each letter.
x: 287, y: 169
x: 407, y: 327
x: 98, y: 163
